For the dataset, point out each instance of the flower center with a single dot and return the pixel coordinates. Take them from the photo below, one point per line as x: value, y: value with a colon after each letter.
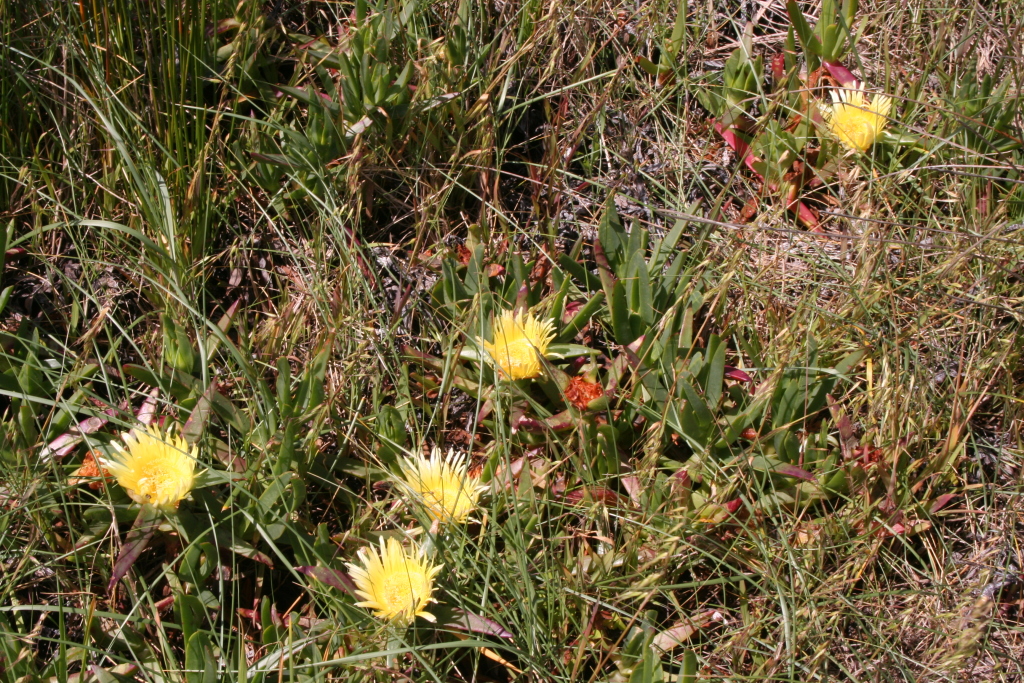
x: 445, y: 500
x: 519, y: 354
x: 859, y: 127
x: 402, y: 591
x: 156, y: 482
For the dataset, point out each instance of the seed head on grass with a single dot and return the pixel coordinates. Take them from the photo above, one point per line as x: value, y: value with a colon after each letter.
x: 442, y: 485
x: 397, y: 586
x: 155, y: 467
x: 856, y: 122
x: 519, y: 341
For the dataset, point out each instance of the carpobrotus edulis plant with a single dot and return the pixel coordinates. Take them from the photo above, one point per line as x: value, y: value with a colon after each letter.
x: 519, y: 342
x: 442, y: 485
x: 856, y: 122
x: 154, y: 466
x: 396, y: 585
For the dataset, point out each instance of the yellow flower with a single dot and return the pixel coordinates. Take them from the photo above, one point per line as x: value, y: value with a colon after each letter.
x: 519, y: 341
x: 155, y: 467
x: 396, y: 586
x: 856, y: 122
x: 442, y: 485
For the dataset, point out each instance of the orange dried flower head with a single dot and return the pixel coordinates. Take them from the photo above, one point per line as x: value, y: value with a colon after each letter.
x: 580, y: 392
x: 90, y: 472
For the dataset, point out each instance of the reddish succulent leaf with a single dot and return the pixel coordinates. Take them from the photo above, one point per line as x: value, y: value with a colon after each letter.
x: 273, y: 159
x: 633, y: 488
x: 941, y: 502
x: 778, y: 67
x: 541, y: 267
x: 847, y: 440
x: 578, y: 363
x: 148, y: 409
x: 127, y: 673
x: 137, y: 541
x: 224, y: 324
x: 66, y: 442
x: 422, y: 357
x: 604, y: 269
x: 681, y: 485
x: 807, y: 215
x: 843, y: 75
x: 793, y: 471
x: 522, y: 299
x: 243, y: 549
x: 225, y: 25
x: 596, y: 493
x: 560, y: 422
x: 570, y: 310
x: 732, y: 138
x: 526, y: 424
x: 635, y: 345
x: 233, y: 461
x: 751, y: 161
x: 738, y: 375
x: 196, y: 423
x: 681, y: 478
x: 616, y: 369
x: 462, y: 620
x: 332, y: 577
x: 511, y: 473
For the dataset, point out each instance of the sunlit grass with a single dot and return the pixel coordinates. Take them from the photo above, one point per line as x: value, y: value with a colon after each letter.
x: 219, y: 219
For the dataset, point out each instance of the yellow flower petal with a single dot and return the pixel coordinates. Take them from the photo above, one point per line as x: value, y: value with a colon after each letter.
x: 396, y: 586
x: 854, y: 121
x: 154, y: 467
x: 519, y: 342
x: 442, y: 485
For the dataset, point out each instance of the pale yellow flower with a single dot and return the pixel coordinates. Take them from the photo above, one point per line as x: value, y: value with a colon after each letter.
x: 856, y: 122
x: 155, y: 468
x: 442, y: 485
x: 519, y: 342
x: 396, y: 586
